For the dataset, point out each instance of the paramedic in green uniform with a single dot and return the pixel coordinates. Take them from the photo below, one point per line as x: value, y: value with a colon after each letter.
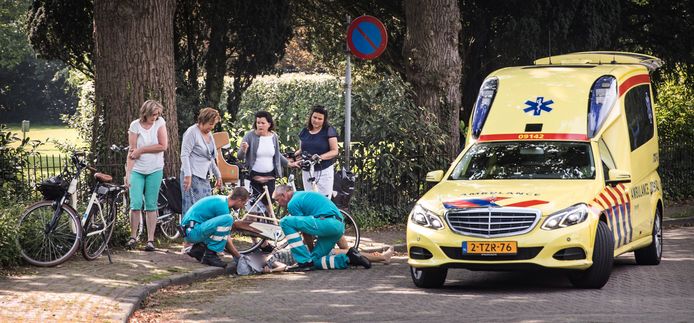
x: 208, y: 223
x: 313, y: 213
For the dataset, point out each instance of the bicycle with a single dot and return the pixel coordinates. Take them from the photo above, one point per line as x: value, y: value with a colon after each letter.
x: 262, y: 225
x: 309, y: 163
x: 51, y: 231
x: 168, y: 205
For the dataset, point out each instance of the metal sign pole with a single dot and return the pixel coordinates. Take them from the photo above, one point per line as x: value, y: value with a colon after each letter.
x: 348, y: 106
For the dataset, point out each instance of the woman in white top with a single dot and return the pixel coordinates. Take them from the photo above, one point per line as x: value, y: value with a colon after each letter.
x: 148, y: 140
x: 261, y: 150
x: 198, y: 153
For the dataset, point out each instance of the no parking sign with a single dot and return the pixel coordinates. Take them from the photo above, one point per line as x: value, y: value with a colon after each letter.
x: 367, y: 37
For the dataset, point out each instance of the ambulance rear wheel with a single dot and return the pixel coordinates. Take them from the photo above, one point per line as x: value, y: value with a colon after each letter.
x: 603, y: 257
x: 428, y: 277
x: 651, y: 254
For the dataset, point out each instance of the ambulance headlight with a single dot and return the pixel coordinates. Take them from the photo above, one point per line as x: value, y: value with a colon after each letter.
x: 425, y: 218
x: 566, y: 217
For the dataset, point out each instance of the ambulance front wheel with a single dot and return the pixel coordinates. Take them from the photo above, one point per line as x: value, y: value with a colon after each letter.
x: 651, y: 254
x: 603, y: 257
x: 428, y: 277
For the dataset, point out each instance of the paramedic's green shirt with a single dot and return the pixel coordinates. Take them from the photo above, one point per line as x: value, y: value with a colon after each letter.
x: 207, y: 208
x: 312, y: 204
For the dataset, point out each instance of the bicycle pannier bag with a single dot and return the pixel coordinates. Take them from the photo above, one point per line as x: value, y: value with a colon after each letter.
x: 343, y: 187
x: 173, y: 194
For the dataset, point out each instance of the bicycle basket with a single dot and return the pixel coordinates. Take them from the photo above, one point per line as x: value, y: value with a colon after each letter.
x: 53, y: 188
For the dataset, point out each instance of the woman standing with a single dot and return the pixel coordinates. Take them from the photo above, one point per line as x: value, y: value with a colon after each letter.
x: 319, y: 138
x: 261, y: 150
x: 198, y: 153
x: 148, y: 140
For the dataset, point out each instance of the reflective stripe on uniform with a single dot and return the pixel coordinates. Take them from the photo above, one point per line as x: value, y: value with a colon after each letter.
x: 295, y: 244
x: 223, y: 229
x: 293, y: 235
x: 332, y: 261
x: 217, y: 238
x: 323, y: 263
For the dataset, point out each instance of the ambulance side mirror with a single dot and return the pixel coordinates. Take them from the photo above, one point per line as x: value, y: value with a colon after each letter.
x: 434, y: 176
x: 617, y: 176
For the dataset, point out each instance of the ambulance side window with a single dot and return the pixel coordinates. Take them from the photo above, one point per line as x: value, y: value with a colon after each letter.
x: 637, y: 105
x: 606, y: 158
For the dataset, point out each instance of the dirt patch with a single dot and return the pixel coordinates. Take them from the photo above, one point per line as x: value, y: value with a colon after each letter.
x: 168, y: 304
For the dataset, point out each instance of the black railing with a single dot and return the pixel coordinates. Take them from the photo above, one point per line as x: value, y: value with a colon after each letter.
x: 676, y: 170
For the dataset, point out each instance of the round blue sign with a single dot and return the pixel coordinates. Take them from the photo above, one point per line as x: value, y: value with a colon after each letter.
x: 366, y: 37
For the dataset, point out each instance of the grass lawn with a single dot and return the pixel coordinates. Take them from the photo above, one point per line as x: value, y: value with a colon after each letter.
x: 50, y: 134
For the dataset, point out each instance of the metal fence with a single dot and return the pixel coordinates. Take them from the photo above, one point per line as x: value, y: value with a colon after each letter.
x: 676, y: 170
x: 41, y: 167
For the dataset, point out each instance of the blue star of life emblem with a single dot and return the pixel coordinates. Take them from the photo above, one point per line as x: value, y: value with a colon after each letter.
x: 538, y: 106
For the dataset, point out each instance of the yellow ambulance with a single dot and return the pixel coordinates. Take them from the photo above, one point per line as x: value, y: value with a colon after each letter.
x: 559, y: 171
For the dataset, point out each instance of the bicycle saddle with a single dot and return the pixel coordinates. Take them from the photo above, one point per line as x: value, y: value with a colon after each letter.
x: 103, y: 178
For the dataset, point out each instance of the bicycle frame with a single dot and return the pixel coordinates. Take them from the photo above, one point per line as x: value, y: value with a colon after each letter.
x: 94, y: 201
x: 271, y: 230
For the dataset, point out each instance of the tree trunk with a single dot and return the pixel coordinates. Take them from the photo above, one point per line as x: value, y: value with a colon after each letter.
x: 433, y: 63
x: 216, y: 62
x: 134, y: 62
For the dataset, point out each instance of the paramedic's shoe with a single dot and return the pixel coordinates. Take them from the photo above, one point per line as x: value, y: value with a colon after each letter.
x: 212, y: 259
x: 304, y: 266
x: 356, y: 258
x: 196, y: 251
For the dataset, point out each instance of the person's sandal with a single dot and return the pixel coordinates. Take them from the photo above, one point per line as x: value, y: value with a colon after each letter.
x: 131, y: 243
x: 149, y: 246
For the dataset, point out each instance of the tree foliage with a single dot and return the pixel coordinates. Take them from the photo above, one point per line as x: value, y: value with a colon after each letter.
x: 63, y: 30
x: 35, y: 90
x: 14, y: 47
x: 664, y: 29
x: 30, y: 88
x: 215, y: 39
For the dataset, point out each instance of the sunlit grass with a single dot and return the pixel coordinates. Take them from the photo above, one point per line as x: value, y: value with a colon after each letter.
x: 50, y: 134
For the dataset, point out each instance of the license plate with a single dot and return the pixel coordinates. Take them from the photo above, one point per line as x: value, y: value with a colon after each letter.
x: 490, y: 248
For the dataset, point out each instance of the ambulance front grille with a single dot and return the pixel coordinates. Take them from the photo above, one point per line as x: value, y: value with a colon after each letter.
x: 492, y: 222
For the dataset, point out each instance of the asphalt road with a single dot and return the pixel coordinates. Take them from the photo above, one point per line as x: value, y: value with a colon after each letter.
x: 386, y: 293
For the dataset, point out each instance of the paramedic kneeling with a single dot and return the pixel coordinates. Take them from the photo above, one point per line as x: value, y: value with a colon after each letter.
x: 313, y: 213
x: 208, y: 222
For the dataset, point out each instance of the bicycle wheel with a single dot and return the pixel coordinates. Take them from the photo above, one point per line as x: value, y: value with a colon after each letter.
x: 168, y: 223
x: 47, y: 249
x: 351, y: 230
x: 245, y: 241
x: 97, y: 231
x: 351, y: 233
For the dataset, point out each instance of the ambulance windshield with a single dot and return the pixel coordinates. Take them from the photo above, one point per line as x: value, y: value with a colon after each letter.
x: 526, y: 160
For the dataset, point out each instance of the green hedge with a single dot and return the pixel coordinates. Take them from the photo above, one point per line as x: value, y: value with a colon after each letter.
x: 9, y: 214
x: 392, y: 147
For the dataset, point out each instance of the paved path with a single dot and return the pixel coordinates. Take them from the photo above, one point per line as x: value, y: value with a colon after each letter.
x: 98, y: 291
x: 80, y: 290
x: 386, y: 293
